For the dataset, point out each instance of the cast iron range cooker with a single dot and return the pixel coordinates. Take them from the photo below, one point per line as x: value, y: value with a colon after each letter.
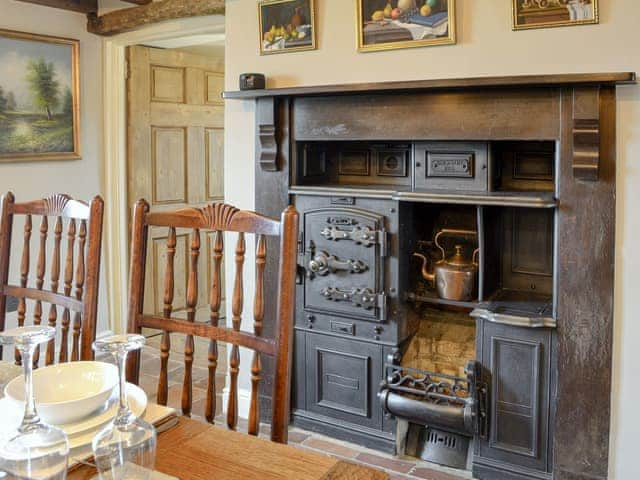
x: 345, y: 253
x: 361, y: 299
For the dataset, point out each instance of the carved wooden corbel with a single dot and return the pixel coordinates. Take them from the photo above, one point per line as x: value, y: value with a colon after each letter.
x: 586, y: 133
x: 266, y: 145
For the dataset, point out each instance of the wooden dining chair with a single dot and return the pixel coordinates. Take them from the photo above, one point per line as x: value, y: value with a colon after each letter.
x: 79, y: 295
x: 215, y: 220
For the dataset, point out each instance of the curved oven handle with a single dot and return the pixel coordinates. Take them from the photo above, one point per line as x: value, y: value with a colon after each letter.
x: 323, y: 264
x: 364, y: 236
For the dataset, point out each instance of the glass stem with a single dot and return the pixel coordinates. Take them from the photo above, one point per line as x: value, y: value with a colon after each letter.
x: 124, y: 414
x: 30, y: 414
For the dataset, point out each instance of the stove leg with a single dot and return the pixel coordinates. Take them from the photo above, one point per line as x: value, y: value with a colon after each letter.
x: 402, y: 431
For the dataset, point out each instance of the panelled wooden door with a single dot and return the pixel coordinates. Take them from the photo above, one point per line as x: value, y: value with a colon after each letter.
x: 175, y: 159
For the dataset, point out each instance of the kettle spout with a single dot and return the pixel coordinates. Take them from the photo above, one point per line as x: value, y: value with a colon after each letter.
x: 429, y: 276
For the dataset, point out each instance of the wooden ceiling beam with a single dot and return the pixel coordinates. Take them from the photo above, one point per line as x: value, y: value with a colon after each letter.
x: 127, y: 19
x: 82, y: 6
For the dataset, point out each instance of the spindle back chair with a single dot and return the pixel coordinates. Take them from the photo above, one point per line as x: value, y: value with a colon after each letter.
x: 218, y: 219
x: 79, y: 295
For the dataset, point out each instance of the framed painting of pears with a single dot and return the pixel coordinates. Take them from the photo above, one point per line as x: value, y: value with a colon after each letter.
x: 286, y: 26
x: 393, y: 24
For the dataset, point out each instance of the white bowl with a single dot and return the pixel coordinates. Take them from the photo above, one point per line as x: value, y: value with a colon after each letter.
x: 67, y: 392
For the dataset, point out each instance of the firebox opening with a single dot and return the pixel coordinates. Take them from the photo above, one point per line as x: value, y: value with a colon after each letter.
x: 433, y: 391
x: 443, y: 343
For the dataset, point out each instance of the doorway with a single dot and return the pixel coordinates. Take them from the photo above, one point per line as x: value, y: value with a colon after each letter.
x: 194, y: 36
x: 164, y: 129
x: 175, y: 157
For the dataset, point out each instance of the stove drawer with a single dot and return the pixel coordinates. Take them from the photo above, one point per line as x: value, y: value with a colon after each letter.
x: 342, y: 379
x: 347, y: 327
x: 451, y: 166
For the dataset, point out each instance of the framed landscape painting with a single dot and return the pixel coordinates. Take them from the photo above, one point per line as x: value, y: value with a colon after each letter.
x: 39, y: 97
x: 286, y: 26
x: 393, y: 24
x: 553, y: 13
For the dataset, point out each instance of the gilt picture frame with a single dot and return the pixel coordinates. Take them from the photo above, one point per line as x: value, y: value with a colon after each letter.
x: 286, y: 26
x: 39, y: 97
x: 398, y: 24
x: 529, y: 14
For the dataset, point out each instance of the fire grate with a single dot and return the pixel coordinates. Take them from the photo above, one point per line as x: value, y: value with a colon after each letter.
x: 443, y: 411
x: 446, y: 402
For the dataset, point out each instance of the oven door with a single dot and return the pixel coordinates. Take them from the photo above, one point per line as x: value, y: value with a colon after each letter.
x: 344, y: 250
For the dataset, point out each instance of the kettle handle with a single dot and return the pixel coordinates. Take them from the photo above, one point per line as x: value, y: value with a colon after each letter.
x: 453, y: 231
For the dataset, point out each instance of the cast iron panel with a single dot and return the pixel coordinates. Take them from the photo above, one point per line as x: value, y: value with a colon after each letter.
x: 528, y: 250
x: 342, y: 379
x: 451, y: 166
x: 343, y: 256
x: 519, y: 360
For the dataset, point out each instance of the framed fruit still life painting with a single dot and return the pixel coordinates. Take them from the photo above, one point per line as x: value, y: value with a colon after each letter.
x: 553, y: 13
x: 393, y: 24
x: 39, y: 97
x: 286, y: 26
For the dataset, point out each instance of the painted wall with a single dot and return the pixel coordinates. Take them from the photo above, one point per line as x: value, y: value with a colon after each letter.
x: 486, y: 46
x: 81, y: 179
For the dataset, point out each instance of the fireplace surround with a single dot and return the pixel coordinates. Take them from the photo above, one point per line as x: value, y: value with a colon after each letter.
x: 377, y: 170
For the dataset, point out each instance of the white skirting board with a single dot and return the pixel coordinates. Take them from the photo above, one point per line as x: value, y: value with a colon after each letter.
x: 244, y: 401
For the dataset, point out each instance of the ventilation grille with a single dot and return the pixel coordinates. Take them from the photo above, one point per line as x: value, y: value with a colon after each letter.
x: 441, y: 439
x: 444, y: 448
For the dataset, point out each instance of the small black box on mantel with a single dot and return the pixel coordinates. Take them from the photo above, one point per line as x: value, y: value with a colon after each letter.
x: 252, y: 81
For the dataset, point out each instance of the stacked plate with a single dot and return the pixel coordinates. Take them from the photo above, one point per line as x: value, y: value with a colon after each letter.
x: 79, y: 397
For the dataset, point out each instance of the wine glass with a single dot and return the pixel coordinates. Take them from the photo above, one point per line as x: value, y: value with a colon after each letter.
x: 34, y: 450
x: 126, y: 447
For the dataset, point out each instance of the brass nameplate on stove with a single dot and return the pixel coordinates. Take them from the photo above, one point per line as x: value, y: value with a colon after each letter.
x: 445, y: 164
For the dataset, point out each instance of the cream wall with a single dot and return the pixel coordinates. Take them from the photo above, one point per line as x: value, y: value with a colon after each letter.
x: 486, y: 46
x: 80, y: 178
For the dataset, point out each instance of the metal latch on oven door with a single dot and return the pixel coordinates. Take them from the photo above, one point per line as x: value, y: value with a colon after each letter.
x: 358, y: 297
x: 364, y: 236
x: 323, y: 263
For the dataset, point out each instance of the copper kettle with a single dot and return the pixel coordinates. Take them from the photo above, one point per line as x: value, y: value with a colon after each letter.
x: 455, y: 278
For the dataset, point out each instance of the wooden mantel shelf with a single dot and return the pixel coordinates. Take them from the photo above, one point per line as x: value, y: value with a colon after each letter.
x: 613, y: 78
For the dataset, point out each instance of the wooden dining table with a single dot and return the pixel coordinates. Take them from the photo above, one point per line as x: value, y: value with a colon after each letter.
x: 194, y: 450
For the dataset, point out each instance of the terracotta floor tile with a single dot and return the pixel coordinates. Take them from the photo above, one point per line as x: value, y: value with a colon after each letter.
x: 400, y: 466
x: 148, y: 383
x: 429, y: 474
x: 296, y: 436
x: 199, y: 406
x: 175, y: 396
x: 204, y: 381
x: 330, y: 447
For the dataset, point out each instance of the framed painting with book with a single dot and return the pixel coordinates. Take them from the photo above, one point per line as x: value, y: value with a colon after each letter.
x: 553, y: 13
x: 394, y: 24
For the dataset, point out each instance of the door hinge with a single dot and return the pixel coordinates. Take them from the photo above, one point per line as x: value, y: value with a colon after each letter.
x: 382, y: 240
